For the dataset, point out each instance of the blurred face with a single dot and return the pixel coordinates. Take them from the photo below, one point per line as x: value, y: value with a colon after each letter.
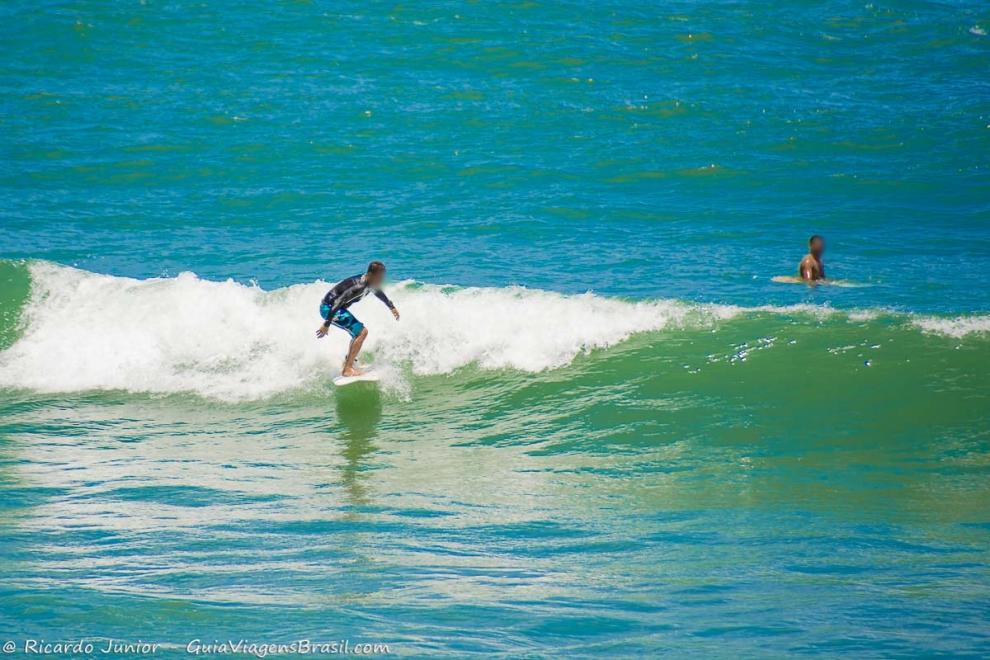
x: 376, y: 279
x: 818, y: 247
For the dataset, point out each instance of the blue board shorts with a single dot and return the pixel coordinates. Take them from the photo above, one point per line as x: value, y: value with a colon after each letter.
x: 344, y: 320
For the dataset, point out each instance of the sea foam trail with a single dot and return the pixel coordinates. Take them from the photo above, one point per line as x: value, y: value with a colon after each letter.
x: 86, y: 331
x: 230, y: 341
x: 957, y: 327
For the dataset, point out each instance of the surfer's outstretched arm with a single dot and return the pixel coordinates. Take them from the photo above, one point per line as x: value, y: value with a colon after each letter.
x: 388, y: 303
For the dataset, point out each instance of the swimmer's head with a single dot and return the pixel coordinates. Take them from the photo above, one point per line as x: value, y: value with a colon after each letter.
x: 816, y: 245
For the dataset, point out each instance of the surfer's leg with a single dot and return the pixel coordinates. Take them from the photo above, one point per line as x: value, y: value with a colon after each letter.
x: 347, y: 321
x: 352, y: 353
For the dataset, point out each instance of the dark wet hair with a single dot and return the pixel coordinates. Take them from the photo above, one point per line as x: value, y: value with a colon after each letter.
x: 376, y: 267
x: 815, y: 237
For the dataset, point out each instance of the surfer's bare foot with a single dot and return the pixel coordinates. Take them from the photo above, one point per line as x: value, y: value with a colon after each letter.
x: 351, y: 371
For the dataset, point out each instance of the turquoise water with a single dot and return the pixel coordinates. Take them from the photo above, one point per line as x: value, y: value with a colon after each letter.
x: 601, y: 429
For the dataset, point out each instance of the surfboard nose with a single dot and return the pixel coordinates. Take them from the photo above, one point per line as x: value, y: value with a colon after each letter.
x: 368, y: 377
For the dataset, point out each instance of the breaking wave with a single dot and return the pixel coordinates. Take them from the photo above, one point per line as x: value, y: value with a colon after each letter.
x: 80, y: 331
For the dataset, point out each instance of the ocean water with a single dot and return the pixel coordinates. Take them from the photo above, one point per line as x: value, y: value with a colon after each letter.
x: 601, y: 429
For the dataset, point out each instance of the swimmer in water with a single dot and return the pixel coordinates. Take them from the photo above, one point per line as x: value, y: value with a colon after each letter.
x: 812, y: 268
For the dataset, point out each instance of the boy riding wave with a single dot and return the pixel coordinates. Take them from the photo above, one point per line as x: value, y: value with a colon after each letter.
x: 345, y: 293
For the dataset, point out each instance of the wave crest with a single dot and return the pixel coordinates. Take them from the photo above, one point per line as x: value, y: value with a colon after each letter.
x: 225, y: 340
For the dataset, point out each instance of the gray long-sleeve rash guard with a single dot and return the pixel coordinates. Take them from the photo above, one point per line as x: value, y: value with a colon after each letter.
x: 347, y: 292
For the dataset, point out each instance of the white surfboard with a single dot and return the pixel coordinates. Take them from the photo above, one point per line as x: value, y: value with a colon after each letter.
x: 845, y: 284
x: 366, y: 377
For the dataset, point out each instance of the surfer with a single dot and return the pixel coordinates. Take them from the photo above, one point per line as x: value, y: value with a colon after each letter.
x: 812, y: 268
x: 345, y: 293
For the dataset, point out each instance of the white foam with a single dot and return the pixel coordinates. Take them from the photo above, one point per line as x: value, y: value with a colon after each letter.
x: 225, y: 340
x: 87, y: 331
x: 863, y: 315
x: 516, y: 328
x: 957, y: 327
